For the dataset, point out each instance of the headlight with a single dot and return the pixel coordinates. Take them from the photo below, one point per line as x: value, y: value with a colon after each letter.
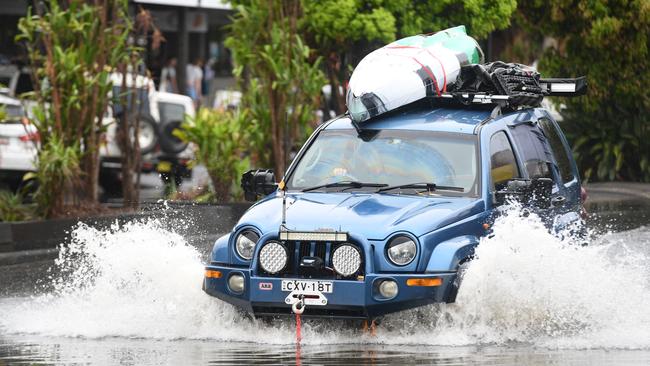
x: 346, y: 260
x: 401, y: 250
x: 245, y: 244
x: 273, y: 257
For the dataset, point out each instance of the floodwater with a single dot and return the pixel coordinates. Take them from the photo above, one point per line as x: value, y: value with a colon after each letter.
x: 132, y: 295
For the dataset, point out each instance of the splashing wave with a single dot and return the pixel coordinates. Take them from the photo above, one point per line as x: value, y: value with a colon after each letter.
x: 525, y: 285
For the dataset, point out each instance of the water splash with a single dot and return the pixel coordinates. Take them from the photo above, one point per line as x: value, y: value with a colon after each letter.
x: 137, y: 280
x: 525, y: 285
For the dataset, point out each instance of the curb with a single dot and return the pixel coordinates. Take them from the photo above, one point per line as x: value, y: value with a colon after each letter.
x: 25, y: 256
x: 186, y: 220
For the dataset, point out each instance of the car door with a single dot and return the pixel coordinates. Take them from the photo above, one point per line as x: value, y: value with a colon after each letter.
x: 503, y: 163
x: 566, y: 171
x: 504, y: 167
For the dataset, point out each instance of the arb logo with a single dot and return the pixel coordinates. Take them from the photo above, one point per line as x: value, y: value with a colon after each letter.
x: 266, y: 286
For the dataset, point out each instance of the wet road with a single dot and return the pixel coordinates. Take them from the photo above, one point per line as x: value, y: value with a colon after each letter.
x: 132, y: 297
x: 34, y: 350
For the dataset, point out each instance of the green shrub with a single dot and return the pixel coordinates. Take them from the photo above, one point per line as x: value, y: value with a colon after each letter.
x: 279, y: 75
x: 12, y: 207
x: 58, y: 169
x: 73, y: 46
x: 219, y: 138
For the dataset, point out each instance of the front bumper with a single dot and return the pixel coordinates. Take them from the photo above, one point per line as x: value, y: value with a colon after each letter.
x: 263, y: 296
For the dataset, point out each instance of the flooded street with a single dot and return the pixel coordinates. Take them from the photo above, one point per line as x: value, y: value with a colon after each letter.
x: 111, y: 351
x: 132, y: 295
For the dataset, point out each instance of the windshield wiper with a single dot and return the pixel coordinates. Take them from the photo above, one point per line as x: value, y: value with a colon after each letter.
x: 346, y: 183
x: 428, y: 186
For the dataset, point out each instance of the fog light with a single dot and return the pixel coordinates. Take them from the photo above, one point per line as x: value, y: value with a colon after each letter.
x: 236, y: 283
x: 346, y: 260
x: 388, y: 289
x: 273, y: 257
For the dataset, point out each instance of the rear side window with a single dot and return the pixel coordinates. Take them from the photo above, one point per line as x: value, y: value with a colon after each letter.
x: 534, y: 151
x: 171, y: 112
x: 559, y: 149
x: 503, y: 165
x: 24, y: 84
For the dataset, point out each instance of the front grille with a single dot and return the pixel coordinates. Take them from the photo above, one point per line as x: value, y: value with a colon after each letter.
x: 320, y: 249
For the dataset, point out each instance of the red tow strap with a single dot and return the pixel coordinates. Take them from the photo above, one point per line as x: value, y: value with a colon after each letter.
x: 298, y: 339
x: 298, y: 327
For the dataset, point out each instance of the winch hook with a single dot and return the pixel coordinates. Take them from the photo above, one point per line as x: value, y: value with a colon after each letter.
x: 298, y: 307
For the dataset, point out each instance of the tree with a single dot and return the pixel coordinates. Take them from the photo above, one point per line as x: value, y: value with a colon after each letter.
x: 278, y: 74
x: 607, y: 41
x: 343, y: 31
x: 129, y: 102
x: 72, y: 46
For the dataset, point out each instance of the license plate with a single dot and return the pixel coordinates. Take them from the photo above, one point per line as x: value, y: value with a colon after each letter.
x: 164, y: 167
x: 325, y: 287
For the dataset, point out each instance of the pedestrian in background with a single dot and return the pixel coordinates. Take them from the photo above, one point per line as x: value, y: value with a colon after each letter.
x: 194, y: 78
x: 168, y: 77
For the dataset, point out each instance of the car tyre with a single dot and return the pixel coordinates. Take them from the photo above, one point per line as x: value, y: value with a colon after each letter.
x: 455, y: 286
x: 168, y: 142
x: 148, y: 132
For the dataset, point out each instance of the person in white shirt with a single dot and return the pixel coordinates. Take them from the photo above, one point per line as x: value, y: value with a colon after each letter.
x: 168, y: 77
x: 194, y: 77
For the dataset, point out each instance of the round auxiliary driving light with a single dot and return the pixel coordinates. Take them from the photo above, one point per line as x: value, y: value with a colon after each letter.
x: 401, y: 250
x: 236, y: 283
x: 245, y: 244
x: 346, y: 260
x: 388, y: 289
x: 273, y: 257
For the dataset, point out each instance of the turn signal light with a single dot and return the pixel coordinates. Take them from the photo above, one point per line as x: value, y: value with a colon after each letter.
x: 427, y: 282
x: 212, y: 274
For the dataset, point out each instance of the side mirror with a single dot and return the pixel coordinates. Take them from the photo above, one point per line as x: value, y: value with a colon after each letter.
x: 531, y: 192
x: 257, y: 183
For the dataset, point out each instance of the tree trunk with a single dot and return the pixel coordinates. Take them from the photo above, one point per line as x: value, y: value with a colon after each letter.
x: 128, y: 194
x: 333, y: 74
x: 221, y: 190
x: 91, y: 168
x: 130, y: 148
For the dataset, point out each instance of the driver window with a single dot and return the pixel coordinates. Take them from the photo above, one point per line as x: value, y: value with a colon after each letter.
x: 502, y: 161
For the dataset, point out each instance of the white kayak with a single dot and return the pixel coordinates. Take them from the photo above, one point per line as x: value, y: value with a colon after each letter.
x: 408, y: 70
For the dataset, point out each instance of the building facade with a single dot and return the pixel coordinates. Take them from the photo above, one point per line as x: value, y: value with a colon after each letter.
x: 192, y: 29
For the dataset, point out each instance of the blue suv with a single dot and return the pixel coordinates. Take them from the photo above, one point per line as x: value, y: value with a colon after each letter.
x: 383, y: 217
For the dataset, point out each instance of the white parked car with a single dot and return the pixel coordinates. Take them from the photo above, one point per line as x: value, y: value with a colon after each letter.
x: 161, y: 151
x: 18, y: 141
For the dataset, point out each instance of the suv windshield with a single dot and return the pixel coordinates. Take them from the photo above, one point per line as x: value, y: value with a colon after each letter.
x: 391, y: 158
